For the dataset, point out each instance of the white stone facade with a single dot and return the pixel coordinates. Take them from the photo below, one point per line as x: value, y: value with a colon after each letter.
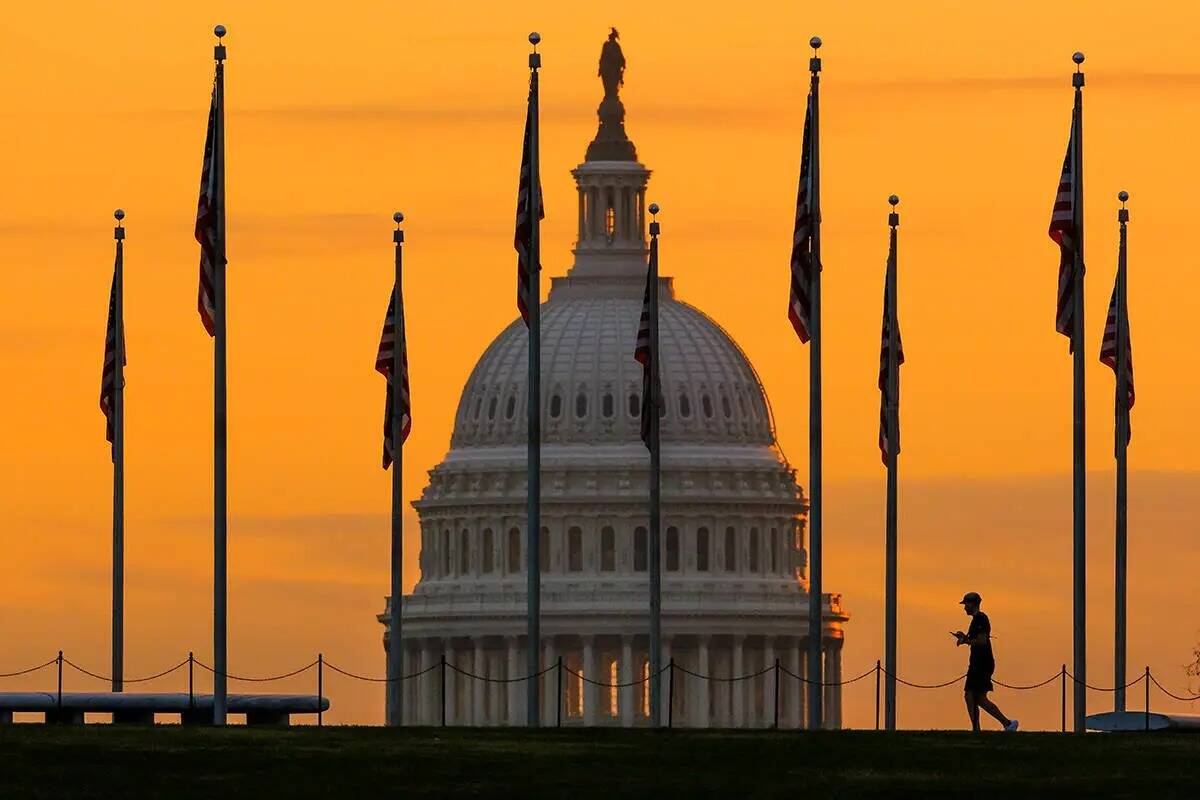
x: 734, y: 593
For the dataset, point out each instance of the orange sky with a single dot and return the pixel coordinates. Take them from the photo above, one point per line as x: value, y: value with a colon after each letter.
x: 337, y: 117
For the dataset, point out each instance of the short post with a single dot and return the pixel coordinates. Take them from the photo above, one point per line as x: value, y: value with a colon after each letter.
x: 671, y: 692
x: 558, y: 685
x: 320, y: 688
x: 878, y: 668
x: 60, y: 662
x: 1146, y: 678
x: 191, y: 680
x: 775, y: 724
x: 1064, y: 698
x: 443, y: 690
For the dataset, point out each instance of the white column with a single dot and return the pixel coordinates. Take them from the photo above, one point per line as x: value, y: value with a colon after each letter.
x: 550, y: 698
x: 516, y: 696
x: 769, y: 684
x: 589, y: 691
x: 665, y: 700
x: 737, y: 669
x: 796, y: 688
x: 451, y: 683
x: 626, y: 693
x: 429, y: 684
x: 479, y: 666
x: 702, y: 686
x: 836, y: 651
x: 827, y: 693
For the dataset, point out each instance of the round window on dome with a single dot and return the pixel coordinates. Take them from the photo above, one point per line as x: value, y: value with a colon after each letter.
x: 555, y: 406
x: 492, y: 408
x: 685, y: 406
x: 581, y: 405
x: 510, y: 408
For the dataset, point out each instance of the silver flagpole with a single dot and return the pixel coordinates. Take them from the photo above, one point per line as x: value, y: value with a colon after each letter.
x: 533, y: 635
x: 1080, y: 467
x: 220, y: 420
x: 1122, y: 438
x: 815, y: 596
x: 395, y: 693
x: 118, y: 451
x: 893, y: 438
x: 655, y: 546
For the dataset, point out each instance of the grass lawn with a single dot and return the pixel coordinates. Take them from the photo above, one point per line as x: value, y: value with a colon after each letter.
x: 170, y: 761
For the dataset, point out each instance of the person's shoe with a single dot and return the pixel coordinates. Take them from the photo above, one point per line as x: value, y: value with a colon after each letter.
x: 1011, y: 726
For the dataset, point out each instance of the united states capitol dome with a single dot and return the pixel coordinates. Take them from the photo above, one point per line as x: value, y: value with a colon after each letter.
x: 734, y: 585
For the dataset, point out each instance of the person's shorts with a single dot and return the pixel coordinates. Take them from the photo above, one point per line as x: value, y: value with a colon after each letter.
x: 978, y: 681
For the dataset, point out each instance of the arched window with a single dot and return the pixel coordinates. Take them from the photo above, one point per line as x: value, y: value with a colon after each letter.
x: 774, y: 558
x: 489, y: 555
x: 606, y: 406
x: 730, y: 550
x: 754, y: 550
x: 555, y: 406
x: 575, y: 550
x: 514, y: 551
x: 610, y: 223
x: 702, y: 550
x: 685, y: 406
x: 608, y: 549
x: 544, y: 550
x: 639, y: 550
x: 581, y: 404
x: 510, y: 408
x: 492, y: 408
x: 478, y: 408
x: 446, y: 553
x: 726, y: 407
x: 635, y: 405
x: 672, y: 549
x: 706, y: 405
x: 464, y: 552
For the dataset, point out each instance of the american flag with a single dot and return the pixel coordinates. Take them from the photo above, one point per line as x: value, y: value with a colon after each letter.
x: 643, y: 355
x: 108, y: 377
x: 523, y: 238
x: 1062, y: 231
x: 383, y: 365
x: 1108, y: 355
x: 887, y: 442
x: 802, y: 265
x: 207, y: 226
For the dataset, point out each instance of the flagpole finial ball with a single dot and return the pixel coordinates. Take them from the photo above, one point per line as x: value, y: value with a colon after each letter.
x: 894, y: 199
x: 654, y: 208
x: 815, y: 42
x: 535, y: 38
x: 219, y: 31
x: 1123, y: 196
x: 398, y: 217
x: 119, y: 214
x: 1077, y: 57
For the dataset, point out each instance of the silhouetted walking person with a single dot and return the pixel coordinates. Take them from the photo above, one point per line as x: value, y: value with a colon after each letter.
x: 982, y: 664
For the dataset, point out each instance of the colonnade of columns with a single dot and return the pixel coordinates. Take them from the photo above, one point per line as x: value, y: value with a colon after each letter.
x: 708, y: 687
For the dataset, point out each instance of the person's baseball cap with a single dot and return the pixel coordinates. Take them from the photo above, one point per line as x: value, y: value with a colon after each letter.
x: 970, y: 597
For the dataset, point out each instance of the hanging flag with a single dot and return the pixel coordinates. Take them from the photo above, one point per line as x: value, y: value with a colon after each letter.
x: 886, y: 442
x: 1063, y: 232
x: 1108, y: 355
x: 108, y: 377
x: 523, y: 239
x: 802, y: 266
x: 207, y: 227
x: 644, y: 355
x: 383, y: 365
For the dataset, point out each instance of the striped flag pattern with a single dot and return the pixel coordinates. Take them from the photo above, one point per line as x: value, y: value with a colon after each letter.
x: 1063, y: 232
x: 523, y: 238
x: 1108, y: 355
x: 643, y: 355
x: 207, y: 232
x: 383, y: 365
x: 802, y: 266
x: 108, y: 377
x: 886, y: 442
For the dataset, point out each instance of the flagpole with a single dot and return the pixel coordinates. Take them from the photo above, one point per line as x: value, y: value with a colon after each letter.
x: 533, y: 635
x: 655, y: 546
x: 1122, y: 437
x: 395, y: 654
x: 220, y: 419
x: 893, y: 438
x: 815, y: 597
x: 1080, y: 467
x: 118, y: 454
